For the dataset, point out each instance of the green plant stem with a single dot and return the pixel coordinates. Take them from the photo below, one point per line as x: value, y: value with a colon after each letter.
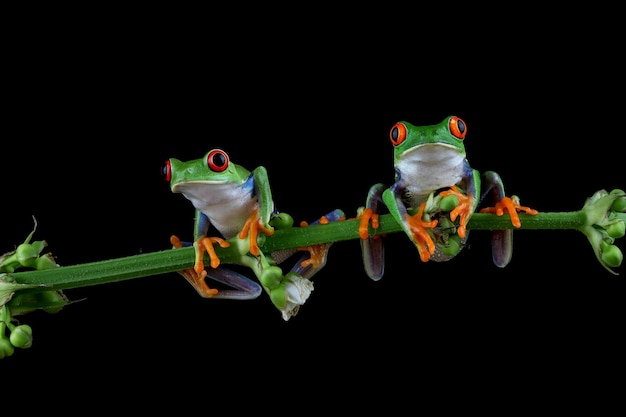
x: 171, y: 260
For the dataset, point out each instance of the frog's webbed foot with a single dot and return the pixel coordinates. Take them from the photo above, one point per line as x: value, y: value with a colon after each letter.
x: 463, y: 210
x: 372, y: 248
x: 512, y: 206
x: 417, y: 227
x: 316, y: 257
x: 196, y: 275
x: 251, y: 228
x: 502, y: 240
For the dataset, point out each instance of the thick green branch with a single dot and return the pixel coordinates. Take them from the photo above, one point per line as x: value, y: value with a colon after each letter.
x: 172, y: 260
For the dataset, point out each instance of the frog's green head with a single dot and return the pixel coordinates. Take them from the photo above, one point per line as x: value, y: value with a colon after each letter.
x: 445, y: 138
x: 214, y: 168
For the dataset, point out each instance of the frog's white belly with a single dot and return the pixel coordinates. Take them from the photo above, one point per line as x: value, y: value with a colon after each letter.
x: 226, y: 205
x: 431, y: 167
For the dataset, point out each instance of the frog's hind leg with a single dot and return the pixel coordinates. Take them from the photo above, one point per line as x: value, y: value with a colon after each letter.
x: 372, y: 248
x: 242, y: 288
x: 501, y: 240
x: 315, y: 256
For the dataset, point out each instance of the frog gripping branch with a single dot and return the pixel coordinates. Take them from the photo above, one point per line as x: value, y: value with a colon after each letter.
x: 238, y: 204
x: 435, y: 199
x: 435, y: 193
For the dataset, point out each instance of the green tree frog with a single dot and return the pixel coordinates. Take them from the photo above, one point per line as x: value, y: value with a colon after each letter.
x: 238, y: 203
x: 434, y: 195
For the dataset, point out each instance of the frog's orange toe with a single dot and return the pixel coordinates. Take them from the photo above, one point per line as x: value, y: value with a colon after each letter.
x: 365, y: 217
x: 463, y: 210
x: 511, y: 206
x: 198, y: 283
x: 420, y: 236
x: 251, y: 228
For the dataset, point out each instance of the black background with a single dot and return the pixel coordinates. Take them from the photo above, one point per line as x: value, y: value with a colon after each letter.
x: 92, y: 113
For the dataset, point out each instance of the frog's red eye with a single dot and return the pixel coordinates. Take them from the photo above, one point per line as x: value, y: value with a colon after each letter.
x: 458, y: 128
x: 397, y: 134
x: 166, y: 171
x: 217, y: 160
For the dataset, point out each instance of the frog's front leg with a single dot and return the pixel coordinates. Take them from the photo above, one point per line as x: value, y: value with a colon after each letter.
x: 202, y: 243
x: 413, y: 224
x: 196, y: 275
x: 463, y: 210
x: 251, y: 229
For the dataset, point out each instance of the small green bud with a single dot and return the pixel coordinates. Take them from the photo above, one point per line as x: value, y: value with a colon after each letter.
x: 6, y: 348
x: 26, y: 254
x: 612, y: 255
x: 271, y: 277
x: 22, y: 336
x: 449, y: 202
x: 45, y: 262
x: 616, y: 229
x: 282, y: 221
x: 52, y: 301
x: 619, y: 205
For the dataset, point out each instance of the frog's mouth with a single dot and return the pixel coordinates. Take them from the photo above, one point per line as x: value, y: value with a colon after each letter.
x: 202, y: 193
x: 189, y: 186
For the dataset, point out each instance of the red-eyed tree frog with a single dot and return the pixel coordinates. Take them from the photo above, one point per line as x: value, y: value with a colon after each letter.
x: 435, y: 193
x: 238, y: 205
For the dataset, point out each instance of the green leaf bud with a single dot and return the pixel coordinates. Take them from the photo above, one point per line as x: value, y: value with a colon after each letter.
x: 6, y: 348
x: 52, y: 301
x: 619, y: 205
x: 26, y: 254
x: 612, y: 255
x: 282, y: 221
x: 616, y: 229
x: 271, y: 277
x: 22, y: 336
x: 449, y: 202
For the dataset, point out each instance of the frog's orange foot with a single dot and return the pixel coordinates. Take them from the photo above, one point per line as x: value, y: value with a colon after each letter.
x: 464, y: 209
x: 196, y: 275
x: 198, y: 282
x: 251, y: 228
x: 206, y: 243
x: 318, y: 253
x: 511, y: 206
x: 423, y: 240
x: 365, y: 216
x: 175, y: 241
